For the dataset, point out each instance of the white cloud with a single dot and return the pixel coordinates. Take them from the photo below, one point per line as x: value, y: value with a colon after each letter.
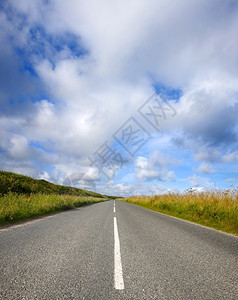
x: 115, y: 38
x: 175, y: 43
x: 205, y: 169
x: 194, y: 180
x: 196, y: 190
x: 170, y: 176
x: 141, y: 162
x: 19, y: 148
x: 230, y: 157
x: 45, y: 175
x: 127, y: 190
x: 155, y: 167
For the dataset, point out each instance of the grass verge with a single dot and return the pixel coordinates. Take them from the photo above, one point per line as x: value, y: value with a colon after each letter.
x: 218, y: 210
x: 21, y: 184
x: 16, y: 207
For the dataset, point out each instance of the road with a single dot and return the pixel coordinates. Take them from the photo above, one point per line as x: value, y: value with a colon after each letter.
x: 122, y: 252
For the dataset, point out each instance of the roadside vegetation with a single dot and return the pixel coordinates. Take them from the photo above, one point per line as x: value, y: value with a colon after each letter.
x: 22, y: 197
x: 216, y: 209
x: 20, y: 184
x: 14, y: 207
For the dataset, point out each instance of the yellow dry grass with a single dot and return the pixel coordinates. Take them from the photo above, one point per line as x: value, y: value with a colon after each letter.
x: 217, y: 209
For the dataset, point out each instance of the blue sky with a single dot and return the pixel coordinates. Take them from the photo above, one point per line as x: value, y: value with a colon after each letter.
x: 73, y: 75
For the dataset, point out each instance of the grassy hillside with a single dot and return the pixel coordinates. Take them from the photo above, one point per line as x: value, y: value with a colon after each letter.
x: 214, y: 209
x: 22, y: 197
x: 20, y: 184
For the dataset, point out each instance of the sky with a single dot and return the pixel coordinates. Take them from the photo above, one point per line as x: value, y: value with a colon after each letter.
x: 120, y: 97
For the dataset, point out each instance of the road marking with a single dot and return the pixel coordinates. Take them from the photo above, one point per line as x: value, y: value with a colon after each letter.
x: 114, y: 209
x: 118, y: 276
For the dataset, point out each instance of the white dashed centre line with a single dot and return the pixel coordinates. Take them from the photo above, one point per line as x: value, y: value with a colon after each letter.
x: 118, y: 275
x: 114, y: 209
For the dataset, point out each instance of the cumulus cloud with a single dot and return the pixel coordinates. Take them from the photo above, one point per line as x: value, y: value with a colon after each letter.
x: 205, y: 169
x: 155, y: 167
x: 69, y: 80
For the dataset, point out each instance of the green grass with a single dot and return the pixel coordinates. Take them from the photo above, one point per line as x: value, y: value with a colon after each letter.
x: 14, y: 207
x: 20, y: 184
x: 22, y: 197
x: 218, y: 210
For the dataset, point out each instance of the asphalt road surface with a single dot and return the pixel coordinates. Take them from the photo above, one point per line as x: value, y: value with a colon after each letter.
x: 122, y: 252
